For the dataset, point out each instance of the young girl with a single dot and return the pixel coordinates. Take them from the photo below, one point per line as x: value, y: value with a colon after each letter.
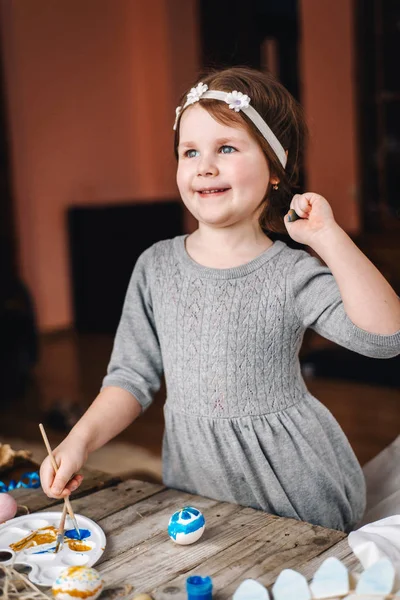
x: 222, y: 313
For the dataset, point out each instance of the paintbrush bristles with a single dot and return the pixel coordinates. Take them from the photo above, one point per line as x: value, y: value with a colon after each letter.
x: 73, y: 518
x: 55, y: 467
x: 61, y: 529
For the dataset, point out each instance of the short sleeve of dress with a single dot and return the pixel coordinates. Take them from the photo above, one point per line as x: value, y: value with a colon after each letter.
x: 318, y: 305
x: 136, y: 363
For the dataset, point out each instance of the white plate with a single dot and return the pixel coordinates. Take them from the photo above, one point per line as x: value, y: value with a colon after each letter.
x: 45, y: 568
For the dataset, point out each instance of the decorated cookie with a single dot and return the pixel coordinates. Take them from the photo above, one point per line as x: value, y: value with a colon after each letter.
x: 250, y: 589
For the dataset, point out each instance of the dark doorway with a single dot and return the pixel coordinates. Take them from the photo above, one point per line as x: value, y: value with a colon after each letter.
x: 262, y: 34
x: 18, y: 335
x: 105, y: 242
x: 235, y: 33
x: 378, y: 74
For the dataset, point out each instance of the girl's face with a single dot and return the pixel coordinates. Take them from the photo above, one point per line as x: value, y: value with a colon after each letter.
x: 223, y: 174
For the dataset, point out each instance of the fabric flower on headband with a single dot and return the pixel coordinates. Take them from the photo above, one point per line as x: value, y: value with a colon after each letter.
x: 178, y: 111
x: 193, y: 96
x: 196, y: 93
x: 237, y: 100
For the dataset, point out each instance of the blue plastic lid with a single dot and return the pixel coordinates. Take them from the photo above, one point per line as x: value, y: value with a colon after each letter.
x: 199, y: 588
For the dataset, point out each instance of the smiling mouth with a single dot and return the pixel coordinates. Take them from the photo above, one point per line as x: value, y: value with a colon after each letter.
x: 213, y: 191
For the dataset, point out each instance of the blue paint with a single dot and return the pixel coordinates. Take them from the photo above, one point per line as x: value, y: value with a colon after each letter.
x: 188, y: 511
x: 192, y: 510
x: 185, y: 514
x: 73, y: 535
x: 45, y: 551
x: 199, y: 588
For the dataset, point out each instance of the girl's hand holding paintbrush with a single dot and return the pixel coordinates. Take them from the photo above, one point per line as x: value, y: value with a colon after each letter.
x: 115, y: 407
x: 56, y: 468
x: 310, y: 217
x: 69, y: 457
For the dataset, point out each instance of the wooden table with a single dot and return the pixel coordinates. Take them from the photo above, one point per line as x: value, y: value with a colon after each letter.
x: 238, y: 542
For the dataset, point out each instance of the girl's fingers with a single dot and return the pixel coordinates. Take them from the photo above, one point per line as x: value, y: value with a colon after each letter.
x: 300, y: 204
x: 60, y: 484
x: 74, y: 483
x: 46, y: 476
x: 62, y: 478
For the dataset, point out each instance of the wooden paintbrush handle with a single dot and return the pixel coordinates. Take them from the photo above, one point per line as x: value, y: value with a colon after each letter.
x: 55, y: 467
x: 61, y: 527
x: 48, y: 447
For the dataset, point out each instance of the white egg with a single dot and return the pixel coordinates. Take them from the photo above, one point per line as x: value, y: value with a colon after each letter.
x: 8, y: 507
x: 78, y: 582
x: 186, y: 526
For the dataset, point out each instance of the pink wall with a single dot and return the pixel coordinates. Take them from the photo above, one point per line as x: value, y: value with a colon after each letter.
x: 328, y: 85
x: 91, y: 88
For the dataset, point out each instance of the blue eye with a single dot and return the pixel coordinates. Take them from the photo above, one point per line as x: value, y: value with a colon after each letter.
x: 191, y: 153
x: 227, y: 149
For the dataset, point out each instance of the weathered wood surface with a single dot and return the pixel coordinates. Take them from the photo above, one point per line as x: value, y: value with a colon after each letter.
x: 35, y: 499
x: 238, y: 542
x: 261, y: 564
x: 111, y: 500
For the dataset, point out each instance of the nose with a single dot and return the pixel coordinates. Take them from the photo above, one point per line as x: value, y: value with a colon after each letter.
x: 207, y: 167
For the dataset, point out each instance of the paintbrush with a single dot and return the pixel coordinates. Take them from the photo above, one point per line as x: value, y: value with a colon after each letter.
x: 61, y: 528
x: 53, y: 462
x: 292, y: 215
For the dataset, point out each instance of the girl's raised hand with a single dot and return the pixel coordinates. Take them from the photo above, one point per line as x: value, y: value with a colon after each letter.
x: 316, y: 218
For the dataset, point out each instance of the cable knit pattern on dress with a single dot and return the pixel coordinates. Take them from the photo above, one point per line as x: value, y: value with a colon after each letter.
x: 240, y: 424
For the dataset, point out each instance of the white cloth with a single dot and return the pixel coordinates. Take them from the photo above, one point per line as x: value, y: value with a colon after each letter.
x: 379, y: 536
x: 382, y: 478
x: 376, y: 541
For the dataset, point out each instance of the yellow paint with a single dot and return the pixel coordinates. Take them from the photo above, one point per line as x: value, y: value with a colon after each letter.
x: 78, y: 546
x: 77, y: 593
x: 48, y: 535
x: 74, y: 570
x: 44, y: 535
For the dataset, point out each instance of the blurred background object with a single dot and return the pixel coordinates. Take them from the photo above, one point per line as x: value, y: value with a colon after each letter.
x: 87, y: 181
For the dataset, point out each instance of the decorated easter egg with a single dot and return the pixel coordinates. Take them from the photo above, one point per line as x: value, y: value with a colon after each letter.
x: 186, y: 525
x: 77, y: 582
x: 8, y: 507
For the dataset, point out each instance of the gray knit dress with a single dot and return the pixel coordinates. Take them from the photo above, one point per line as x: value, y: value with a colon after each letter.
x: 240, y: 424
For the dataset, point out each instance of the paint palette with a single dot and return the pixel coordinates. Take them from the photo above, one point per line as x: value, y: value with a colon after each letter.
x: 41, y: 528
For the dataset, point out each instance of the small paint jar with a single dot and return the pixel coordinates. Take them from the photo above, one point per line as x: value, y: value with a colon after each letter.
x: 199, y: 588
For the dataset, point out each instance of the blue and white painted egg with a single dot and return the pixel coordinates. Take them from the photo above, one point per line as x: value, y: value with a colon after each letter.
x: 186, y: 526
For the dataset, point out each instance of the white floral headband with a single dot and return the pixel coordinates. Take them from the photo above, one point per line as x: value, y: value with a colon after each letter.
x: 237, y: 101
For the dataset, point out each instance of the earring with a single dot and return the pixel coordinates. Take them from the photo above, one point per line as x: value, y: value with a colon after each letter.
x: 275, y: 186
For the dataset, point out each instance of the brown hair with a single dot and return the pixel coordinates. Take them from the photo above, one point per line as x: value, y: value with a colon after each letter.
x: 283, y: 115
